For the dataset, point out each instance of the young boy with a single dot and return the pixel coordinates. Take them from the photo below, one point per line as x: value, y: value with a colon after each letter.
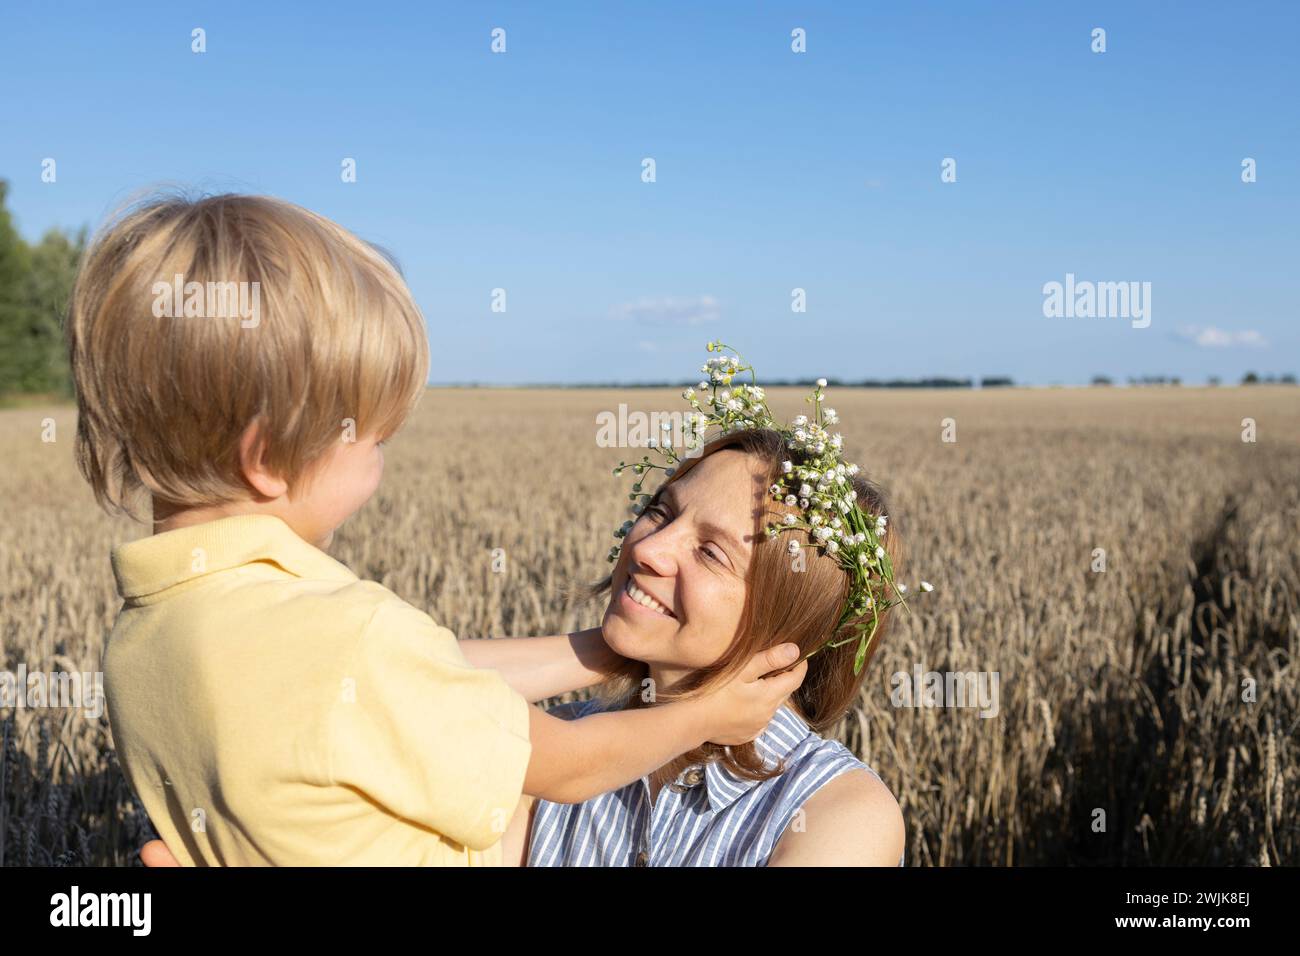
x: 241, y: 360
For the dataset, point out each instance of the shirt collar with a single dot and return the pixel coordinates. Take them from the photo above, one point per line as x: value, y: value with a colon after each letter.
x: 783, y: 733
x: 148, y: 566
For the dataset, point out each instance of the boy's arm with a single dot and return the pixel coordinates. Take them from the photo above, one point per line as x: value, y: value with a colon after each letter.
x: 538, y: 668
x: 575, y: 760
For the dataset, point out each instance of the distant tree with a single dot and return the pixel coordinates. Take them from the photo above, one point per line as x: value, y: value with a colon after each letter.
x: 1288, y: 378
x: 15, y: 264
x: 996, y: 381
x: 35, y: 282
x: 1250, y: 378
x: 1101, y: 380
x: 1212, y: 380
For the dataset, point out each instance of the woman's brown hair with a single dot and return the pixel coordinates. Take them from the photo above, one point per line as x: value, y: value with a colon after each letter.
x: 781, y: 605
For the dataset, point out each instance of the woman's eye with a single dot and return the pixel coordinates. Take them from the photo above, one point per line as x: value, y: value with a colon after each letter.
x: 711, y: 554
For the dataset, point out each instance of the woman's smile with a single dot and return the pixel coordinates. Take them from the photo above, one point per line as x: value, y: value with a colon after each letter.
x: 633, y: 595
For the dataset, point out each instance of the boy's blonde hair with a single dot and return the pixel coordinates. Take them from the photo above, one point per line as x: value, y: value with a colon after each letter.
x: 163, y: 401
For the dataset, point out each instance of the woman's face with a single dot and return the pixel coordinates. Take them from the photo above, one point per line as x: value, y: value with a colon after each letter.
x: 686, y: 557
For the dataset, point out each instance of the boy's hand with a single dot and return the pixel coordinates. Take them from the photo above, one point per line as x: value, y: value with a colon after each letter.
x: 740, y: 710
x: 155, y: 853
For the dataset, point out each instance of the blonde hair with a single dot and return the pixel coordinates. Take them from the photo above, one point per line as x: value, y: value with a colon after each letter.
x: 163, y: 401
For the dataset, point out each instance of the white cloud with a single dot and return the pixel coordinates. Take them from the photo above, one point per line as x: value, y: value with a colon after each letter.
x: 1209, y: 337
x: 670, y: 310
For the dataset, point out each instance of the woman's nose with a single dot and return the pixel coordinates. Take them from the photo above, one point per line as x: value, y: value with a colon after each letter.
x: 656, y: 552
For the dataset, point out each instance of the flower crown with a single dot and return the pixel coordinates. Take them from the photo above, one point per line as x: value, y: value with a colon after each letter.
x: 819, y: 484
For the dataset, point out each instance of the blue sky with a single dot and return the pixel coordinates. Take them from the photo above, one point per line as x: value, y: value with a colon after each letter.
x: 774, y: 171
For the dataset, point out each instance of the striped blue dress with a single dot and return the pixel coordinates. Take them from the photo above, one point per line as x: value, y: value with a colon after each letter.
x: 707, y: 817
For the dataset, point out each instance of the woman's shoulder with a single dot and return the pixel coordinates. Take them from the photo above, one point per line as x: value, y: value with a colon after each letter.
x: 851, y: 820
x: 861, y: 821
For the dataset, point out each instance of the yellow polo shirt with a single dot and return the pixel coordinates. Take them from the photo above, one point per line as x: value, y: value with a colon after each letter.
x: 269, y: 707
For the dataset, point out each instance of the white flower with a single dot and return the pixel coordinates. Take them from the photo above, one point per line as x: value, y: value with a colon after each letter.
x: 800, y: 421
x: 800, y: 434
x: 735, y: 405
x: 787, y: 466
x: 830, y: 416
x: 902, y: 589
x: 821, y: 383
x: 820, y: 446
x: 789, y: 519
x: 862, y: 557
x: 805, y: 489
x: 703, y: 386
x: 927, y: 586
x: 791, y: 500
x: 832, y: 546
x: 775, y: 489
x: 852, y: 470
x: 803, y: 503
x: 837, y: 441
x: 792, y: 547
x: 688, y: 394
x: 880, y: 552
x: 724, y: 395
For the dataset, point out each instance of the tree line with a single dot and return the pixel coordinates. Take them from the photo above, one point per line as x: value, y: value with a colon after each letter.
x: 35, y: 282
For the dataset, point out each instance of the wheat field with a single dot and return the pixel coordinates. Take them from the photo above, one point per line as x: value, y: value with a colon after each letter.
x: 1148, y: 712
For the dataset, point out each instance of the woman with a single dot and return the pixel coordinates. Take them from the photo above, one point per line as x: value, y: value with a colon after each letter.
x: 696, y: 591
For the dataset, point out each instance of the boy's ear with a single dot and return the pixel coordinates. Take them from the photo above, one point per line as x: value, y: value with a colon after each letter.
x: 252, y: 453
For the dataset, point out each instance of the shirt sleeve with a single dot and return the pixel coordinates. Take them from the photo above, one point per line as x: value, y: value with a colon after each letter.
x: 426, y: 735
